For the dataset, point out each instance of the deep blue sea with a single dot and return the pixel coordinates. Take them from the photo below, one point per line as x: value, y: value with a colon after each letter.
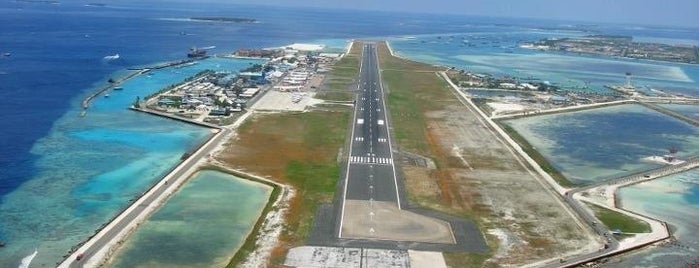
x: 62, y: 175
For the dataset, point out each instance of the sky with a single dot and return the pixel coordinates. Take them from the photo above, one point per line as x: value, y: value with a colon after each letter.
x: 645, y: 12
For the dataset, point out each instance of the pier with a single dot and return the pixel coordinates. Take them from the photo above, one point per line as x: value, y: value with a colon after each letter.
x: 88, y: 99
x: 140, y: 71
x: 175, y: 117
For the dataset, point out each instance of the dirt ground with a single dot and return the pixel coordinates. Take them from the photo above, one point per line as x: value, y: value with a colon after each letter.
x: 297, y: 149
x: 478, y: 177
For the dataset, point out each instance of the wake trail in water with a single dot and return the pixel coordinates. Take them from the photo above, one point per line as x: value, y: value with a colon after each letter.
x: 28, y: 259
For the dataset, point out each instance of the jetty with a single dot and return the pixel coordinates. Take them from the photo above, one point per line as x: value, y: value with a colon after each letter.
x: 174, y: 117
x: 114, y: 83
x: 139, y: 71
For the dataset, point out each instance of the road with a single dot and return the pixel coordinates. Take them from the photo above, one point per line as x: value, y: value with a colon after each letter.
x: 370, y: 172
x: 110, y: 234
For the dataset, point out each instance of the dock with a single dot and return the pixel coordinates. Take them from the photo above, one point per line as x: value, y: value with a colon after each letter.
x: 139, y: 71
x: 89, y: 98
x: 175, y: 117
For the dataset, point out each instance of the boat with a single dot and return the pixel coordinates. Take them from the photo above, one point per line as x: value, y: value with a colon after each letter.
x: 112, y: 57
x: 106, y: 95
x: 118, y: 88
x: 196, y: 53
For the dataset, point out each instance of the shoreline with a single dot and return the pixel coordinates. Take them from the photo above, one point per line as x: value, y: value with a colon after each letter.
x: 118, y: 235
x: 170, y: 183
x: 139, y: 71
x: 659, y: 233
x: 566, y: 109
x: 262, y: 236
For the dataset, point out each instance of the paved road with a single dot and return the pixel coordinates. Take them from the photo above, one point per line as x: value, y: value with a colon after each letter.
x: 370, y: 173
x: 108, y: 234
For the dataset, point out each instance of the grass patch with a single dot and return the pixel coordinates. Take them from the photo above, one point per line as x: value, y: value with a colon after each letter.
x: 343, y: 75
x: 618, y: 221
x: 299, y: 149
x: 413, y: 92
x: 335, y: 95
x: 455, y: 259
x: 534, y: 154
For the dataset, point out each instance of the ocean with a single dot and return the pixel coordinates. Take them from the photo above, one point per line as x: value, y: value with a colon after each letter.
x: 62, y: 175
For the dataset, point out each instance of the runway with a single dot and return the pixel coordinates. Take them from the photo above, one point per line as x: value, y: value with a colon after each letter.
x: 371, y: 204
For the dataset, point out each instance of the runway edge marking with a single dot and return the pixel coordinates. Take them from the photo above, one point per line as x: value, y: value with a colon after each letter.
x: 354, y: 119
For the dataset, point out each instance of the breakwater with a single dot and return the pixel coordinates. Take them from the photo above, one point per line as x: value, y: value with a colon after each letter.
x: 139, y: 71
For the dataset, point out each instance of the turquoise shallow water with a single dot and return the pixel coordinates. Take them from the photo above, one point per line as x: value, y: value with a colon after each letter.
x: 90, y: 167
x: 593, y: 145
x: 675, y: 199
x: 497, y: 52
x: 200, y: 226
x: 596, y: 144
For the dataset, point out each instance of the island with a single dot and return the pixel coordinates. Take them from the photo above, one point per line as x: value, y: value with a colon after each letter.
x: 225, y: 19
x: 618, y: 46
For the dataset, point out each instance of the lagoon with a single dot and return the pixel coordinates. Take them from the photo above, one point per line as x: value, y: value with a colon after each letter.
x: 202, y: 225
x: 89, y: 168
x: 496, y: 51
x: 594, y: 145
x: 674, y: 199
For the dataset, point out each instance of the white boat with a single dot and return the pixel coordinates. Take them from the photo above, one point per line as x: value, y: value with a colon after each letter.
x: 112, y: 57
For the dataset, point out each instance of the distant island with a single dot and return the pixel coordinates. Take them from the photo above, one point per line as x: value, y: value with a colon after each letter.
x: 39, y: 1
x: 225, y: 19
x: 95, y: 5
x: 618, y: 46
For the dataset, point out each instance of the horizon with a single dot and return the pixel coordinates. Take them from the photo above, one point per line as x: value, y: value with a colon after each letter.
x: 679, y: 13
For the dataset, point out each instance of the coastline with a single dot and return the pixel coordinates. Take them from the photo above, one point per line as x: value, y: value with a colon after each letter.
x: 87, y: 100
x: 168, y: 184
x: 261, y: 239
x: 119, y: 228
x: 660, y: 231
x: 264, y: 234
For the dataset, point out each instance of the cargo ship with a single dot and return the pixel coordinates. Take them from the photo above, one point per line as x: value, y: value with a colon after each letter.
x: 196, y: 53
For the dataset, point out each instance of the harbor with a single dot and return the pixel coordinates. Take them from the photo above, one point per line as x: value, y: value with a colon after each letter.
x: 107, y: 240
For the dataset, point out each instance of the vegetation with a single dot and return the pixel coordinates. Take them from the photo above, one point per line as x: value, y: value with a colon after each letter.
x: 413, y: 90
x: 538, y: 157
x: 253, y: 68
x: 338, y: 82
x: 298, y: 149
x: 618, y: 221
